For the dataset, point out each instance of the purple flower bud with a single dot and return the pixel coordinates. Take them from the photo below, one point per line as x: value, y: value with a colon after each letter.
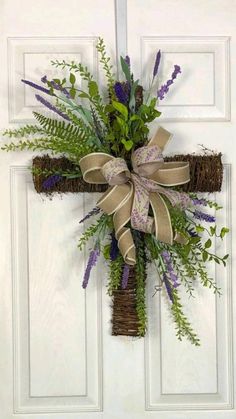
x: 165, y: 87
x: 51, y: 107
x: 36, y: 86
x: 197, y: 201
x: 51, y: 181
x: 44, y: 79
x: 114, y: 247
x: 157, y: 63
x: 91, y: 263
x: 94, y: 211
x: 122, y: 92
x: 168, y: 287
x: 127, y: 60
x: 199, y: 215
x: 125, y: 276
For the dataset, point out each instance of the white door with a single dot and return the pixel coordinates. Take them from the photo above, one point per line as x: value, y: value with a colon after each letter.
x: 57, y: 356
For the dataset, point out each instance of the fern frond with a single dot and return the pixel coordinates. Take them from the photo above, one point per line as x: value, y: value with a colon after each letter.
x: 23, y: 131
x: 59, y: 128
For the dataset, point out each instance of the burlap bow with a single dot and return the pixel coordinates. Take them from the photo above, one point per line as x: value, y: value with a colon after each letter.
x: 131, y: 193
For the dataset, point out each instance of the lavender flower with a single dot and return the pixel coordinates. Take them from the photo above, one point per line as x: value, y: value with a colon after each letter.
x: 62, y: 89
x: 165, y: 87
x: 51, y: 107
x: 157, y: 63
x: 51, y: 181
x: 170, y: 270
x: 127, y: 60
x: 36, y: 86
x: 168, y: 287
x: 94, y: 211
x: 91, y: 263
x: 197, y: 201
x: 44, y: 79
x: 122, y: 92
x: 199, y: 215
x: 125, y: 276
x: 114, y: 247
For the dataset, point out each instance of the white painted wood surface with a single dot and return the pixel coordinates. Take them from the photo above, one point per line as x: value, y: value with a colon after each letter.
x: 58, y: 358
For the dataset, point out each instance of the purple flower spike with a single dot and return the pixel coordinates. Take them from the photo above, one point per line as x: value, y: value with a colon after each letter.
x: 36, y: 86
x: 157, y: 63
x: 57, y: 86
x: 125, y: 277
x: 165, y: 87
x: 51, y: 181
x: 169, y: 268
x: 201, y: 201
x: 114, y: 247
x: 91, y: 263
x: 121, y: 92
x: 127, y: 60
x: 51, y: 107
x: 168, y: 287
x: 199, y: 215
x: 44, y: 79
x: 94, y: 211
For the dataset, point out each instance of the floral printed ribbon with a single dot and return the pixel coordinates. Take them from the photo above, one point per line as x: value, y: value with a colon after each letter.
x: 131, y: 193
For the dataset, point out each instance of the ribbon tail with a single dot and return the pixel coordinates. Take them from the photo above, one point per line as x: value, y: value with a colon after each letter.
x: 162, y: 220
x: 117, y: 200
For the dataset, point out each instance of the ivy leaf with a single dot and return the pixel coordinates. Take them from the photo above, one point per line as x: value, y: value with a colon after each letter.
x: 127, y: 143
x: 223, y: 232
x: 213, y: 230
x: 199, y: 229
x: 72, y: 79
x: 121, y: 109
x: 208, y: 244
x: 93, y: 88
x: 204, y: 256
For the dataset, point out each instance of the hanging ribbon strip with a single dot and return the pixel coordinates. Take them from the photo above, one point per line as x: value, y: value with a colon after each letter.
x: 131, y: 194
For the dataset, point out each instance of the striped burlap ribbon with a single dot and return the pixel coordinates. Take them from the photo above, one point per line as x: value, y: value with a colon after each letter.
x: 131, y: 193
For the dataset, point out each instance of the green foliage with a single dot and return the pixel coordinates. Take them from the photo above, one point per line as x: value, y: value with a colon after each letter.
x: 115, y: 273
x: 105, y: 61
x: 182, y: 325
x: 125, y: 69
x: 97, y: 229
x: 140, y: 272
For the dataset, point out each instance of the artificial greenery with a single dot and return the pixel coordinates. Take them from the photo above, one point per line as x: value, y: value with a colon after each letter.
x: 118, y: 124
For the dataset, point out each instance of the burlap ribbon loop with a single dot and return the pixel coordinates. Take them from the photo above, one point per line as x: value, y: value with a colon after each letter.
x: 131, y: 194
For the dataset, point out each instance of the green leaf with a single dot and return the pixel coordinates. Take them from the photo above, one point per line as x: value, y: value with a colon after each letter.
x: 58, y: 81
x: 84, y: 95
x: 199, y: 229
x: 225, y: 257
x: 127, y: 143
x: 213, y: 230
x: 223, y: 232
x: 72, y: 93
x: 204, y: 256
x: 72, y: 79
x: 208, y: 244
x: 121, y: 109
x: 93, y: 88
x: 125, y: 69
x: 106, y: 251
